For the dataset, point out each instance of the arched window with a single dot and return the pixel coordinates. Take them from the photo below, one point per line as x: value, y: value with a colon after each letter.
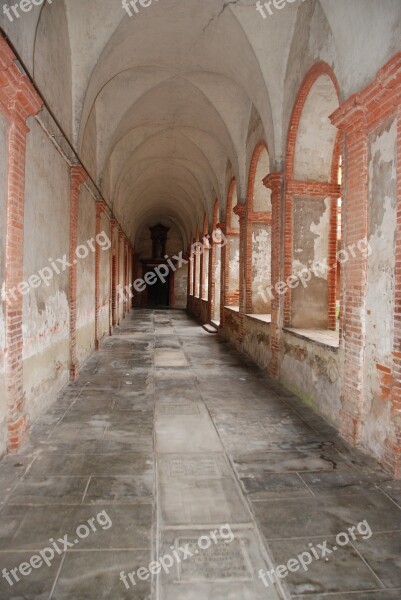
x: 232, y: 262
x: 197, y: 271
x: 216, y: 267
x: 205, y: 260
x: 312, y: 205
x: 259, y: 235
x: 191, y: 269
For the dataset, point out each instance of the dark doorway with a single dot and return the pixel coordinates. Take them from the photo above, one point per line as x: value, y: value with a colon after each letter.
x: 159, y: 294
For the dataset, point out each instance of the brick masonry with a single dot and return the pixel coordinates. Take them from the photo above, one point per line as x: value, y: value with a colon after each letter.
x: 356, y: 119
x: 78, y: 176
x: 18, y: 101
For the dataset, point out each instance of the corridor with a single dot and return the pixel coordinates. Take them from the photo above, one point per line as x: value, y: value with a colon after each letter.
x: 170, y: 439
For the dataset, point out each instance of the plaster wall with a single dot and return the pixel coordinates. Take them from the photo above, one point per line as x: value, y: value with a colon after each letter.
x: 382, y: 219
x: 46, y: 236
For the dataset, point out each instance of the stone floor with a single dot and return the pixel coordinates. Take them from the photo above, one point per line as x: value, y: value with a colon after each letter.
x: 170, y: 438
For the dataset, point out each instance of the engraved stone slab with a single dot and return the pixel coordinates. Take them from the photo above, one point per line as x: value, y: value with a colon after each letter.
x: 199, y: 467
x: 170, y: 358
x: 219, y: 562
x: 204, y: 500
x: 226, y: 569
x: 179, y: 409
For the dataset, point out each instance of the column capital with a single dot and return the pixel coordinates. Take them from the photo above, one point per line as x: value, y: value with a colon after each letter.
x: 78, y: 175
x: 364, y: 109
x: 240, y: 211
x: 101, y: 206
x: 273, y: 181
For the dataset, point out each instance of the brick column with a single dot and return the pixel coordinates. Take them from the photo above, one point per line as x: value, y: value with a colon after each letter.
x: 241, y: 211
x: 212, y: 282
x: 190, y: 287
x: 101, y: 208
x: 113, y: 274
x: 274, y: 182
x: 197, y: 272
x: 121, y: 276
x: 78, y: 176
x: 393, y: 450
x: 18, y: 101
x: 247, y: 258
x: 356, y: 118
x: 224, y: 272
x: 128, y: 279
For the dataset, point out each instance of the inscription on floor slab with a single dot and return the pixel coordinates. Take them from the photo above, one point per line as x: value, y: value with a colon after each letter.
x: 179, y: 409
x: 169, y: 358
x: 199, y: 467
x: 221, y: 562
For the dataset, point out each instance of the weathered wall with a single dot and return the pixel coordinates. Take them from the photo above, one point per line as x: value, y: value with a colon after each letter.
x: 234, y: 265
x: 257, y: 341
x: 3, y: 195
x: 382, y: 220
x: 86, y: 275
x: 261, y: 268
x: 46, y: 236
x: 217, y: 287
x: 232, y: 327
x: 312, y: 372
x: 310, y: 249
x: 316, y: 135
x: 180, y: 287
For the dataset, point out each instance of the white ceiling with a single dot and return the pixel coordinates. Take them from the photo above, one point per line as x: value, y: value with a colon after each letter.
x: 161, y: 106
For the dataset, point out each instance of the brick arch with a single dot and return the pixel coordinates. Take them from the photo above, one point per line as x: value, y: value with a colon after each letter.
x: 205, y: 227
x: 260, y: 146
x: 256, y: 219
x: 317, y: 70
x: 216, y: 214
x: 197, y: 274
x: 229, y: 209
x: 304, y: 187
x: 229, y: 296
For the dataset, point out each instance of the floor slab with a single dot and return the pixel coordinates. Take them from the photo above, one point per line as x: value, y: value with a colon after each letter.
x: 170, y: 437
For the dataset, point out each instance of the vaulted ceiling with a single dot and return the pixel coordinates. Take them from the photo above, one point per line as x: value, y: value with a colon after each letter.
x: 165, y: 107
